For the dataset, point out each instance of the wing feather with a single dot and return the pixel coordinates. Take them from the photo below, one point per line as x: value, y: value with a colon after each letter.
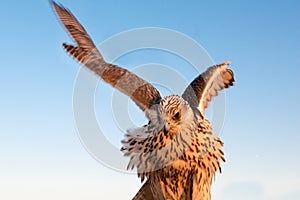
x: 86, y: 53
x: 206, y: 85
x: 145, y: 193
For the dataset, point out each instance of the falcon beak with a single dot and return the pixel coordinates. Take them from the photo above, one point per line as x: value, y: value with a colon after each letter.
x: 165, y: 130
x: 165, y: 127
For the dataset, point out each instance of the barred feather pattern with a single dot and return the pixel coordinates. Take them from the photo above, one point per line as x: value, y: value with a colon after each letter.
x: 151, y: 147
x: 207, y: 85
x: 86, y: 53
x: 182, y: 160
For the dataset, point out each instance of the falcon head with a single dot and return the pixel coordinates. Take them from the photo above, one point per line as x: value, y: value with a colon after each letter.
x: 175, y: 114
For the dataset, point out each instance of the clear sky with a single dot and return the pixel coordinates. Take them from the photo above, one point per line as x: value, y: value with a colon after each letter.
x: 40, y: 152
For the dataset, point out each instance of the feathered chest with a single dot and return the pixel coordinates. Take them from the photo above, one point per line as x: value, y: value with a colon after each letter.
x: 151, y: 149
x: 182, y: 163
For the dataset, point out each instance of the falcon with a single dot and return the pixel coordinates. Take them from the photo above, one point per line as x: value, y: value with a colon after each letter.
x: 176, y: 154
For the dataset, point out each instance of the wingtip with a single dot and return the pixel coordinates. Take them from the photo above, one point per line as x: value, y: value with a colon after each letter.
x: 56, y: 6
x: 53, y: 3
x: 226, y: 63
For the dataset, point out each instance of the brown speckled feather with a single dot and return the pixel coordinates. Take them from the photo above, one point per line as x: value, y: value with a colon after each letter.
x: 206, y: 85
x: 140, y: 91
x: 145, y: 193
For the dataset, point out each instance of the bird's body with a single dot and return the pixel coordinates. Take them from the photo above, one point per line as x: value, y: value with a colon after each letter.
x: 181, y: 158
x: 177, y: 152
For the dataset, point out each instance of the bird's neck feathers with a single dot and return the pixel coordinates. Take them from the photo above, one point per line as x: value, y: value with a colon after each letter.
x: 150, y: 148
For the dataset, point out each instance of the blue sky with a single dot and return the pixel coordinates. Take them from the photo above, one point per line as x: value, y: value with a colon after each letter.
x: 41, y: 154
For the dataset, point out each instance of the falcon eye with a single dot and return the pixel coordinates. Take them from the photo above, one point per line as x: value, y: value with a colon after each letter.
x: 176, y: 116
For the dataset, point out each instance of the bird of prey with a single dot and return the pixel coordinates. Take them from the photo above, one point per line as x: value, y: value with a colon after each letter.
x: 176, y: 153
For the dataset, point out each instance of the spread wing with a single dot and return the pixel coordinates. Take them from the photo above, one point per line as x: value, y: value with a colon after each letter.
x: 206, y: 85
x: 86, y: 53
